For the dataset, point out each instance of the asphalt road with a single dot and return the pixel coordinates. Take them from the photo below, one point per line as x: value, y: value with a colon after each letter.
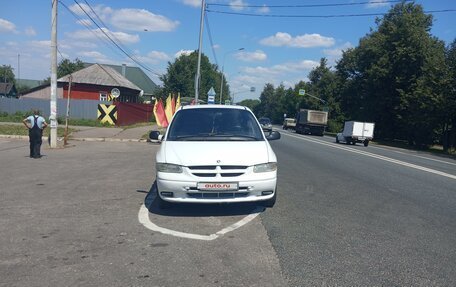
x: 357, y: 216
x: 73, y: 218
x: 345, y: 216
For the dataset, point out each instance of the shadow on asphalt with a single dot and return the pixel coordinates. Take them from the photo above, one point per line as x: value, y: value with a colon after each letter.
x: 198, y: 210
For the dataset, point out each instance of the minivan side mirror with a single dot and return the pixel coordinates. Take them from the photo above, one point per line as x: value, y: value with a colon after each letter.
x: 155, y: 135
x: 274, y: 135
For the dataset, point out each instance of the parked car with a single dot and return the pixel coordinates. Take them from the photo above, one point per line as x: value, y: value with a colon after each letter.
x: 266, y: 124
x: 215, y: 154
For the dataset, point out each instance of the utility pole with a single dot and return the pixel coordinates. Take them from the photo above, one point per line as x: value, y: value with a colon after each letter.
x: 198, y: 68
x: 53, y: 107
x: 65, y: 138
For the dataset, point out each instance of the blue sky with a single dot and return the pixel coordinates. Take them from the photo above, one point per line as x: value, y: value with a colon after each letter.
x: 275, y: 49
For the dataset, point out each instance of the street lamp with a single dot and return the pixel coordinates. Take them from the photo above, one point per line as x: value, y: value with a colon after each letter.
x: 251, y: 89
x: 223, y: 66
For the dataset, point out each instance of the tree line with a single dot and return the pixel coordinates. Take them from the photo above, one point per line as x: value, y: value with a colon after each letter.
x: 399, y: 76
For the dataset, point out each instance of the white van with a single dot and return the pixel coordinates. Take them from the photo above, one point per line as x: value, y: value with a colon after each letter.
x: 215, y: 154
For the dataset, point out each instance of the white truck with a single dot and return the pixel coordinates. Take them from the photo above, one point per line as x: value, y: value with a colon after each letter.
x: 356, y: 132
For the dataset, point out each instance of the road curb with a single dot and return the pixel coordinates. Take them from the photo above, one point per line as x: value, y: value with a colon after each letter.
x: 77, y: 139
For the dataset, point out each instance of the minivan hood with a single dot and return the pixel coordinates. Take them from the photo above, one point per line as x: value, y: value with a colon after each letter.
x: 188, y: 153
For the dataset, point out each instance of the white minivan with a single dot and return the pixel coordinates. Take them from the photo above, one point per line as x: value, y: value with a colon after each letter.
x: 215, y: 154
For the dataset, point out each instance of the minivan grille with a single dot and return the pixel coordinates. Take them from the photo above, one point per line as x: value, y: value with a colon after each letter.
x: 217, y: 170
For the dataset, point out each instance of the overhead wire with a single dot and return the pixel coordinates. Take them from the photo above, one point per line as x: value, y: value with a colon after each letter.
x: 109, y: 30
x: 317, y: 16
x: 116, y: 44
x: 104, y: 40
x: 306, y: 5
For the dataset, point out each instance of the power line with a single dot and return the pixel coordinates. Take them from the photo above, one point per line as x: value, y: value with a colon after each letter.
x: 104, y: 40
x: 109, y: 30
x: 117, y: 45
x: 318, y: 16
x: 113, y: 42
x: 305, y: 6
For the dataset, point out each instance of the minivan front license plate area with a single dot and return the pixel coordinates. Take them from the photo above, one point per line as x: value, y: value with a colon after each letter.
x: 218, y: 186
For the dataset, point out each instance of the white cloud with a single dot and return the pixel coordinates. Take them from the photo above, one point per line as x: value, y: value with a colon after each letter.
x: 85, y: 22
x: 264, y: 10
x: 258, y: 55
x: 194, y: 3
x: 29, y: 31
x: 237, y: 5
x: 79, y: 45
x: 102, y: 11
x: 337, y: 52
x: 216, y: 46
x: 7, y: 27
x: 127, y: 19
x: 304, y: 41
x: 94, y: 34
x: 289, y: 67
x: 183, y: 52
x: 45, y: 44
x: 142, y: 20
x: 158, y: 56
x: 377, y: 3
x: 148, y: 59
x: 92, y: 55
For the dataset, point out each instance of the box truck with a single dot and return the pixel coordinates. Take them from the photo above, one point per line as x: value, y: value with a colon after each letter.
x: 356, y: 132
x: 311, y: 122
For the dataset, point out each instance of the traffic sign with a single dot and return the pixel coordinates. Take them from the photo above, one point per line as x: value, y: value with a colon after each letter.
x: 211, y: 96
x: 302, y: 92
x: 115, y: 93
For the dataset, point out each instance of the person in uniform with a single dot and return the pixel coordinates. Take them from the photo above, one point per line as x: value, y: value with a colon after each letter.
x: 35, y: 125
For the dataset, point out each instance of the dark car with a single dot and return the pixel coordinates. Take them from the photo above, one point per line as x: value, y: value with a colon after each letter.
x: 266, y: 124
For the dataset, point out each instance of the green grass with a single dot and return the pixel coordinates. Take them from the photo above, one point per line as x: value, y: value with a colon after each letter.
x: 19, y: 116
x: 23, y: 131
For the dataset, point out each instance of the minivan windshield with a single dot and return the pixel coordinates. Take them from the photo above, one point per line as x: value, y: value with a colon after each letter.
x: 214, y: 124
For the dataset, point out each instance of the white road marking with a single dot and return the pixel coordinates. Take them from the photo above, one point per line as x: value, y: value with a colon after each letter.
x: 143, y: 217
x: 423, y: 157
x: 403, y: 163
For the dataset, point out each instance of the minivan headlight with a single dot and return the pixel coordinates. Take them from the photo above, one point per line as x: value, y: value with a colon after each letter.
x: 169, y: 167
x: 265, y: 167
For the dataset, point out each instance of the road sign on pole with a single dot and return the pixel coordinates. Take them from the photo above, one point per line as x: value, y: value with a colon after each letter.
x: 211, y: 96
x: 302, y: 92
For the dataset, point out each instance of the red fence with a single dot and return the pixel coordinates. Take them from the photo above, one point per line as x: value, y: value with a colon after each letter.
x: 132, y: 113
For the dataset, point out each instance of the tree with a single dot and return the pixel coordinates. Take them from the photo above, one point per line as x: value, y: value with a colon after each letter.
x: 449, y: 130
x: 7, y: 74
x: 180, y: 77
x: 263, y: 109
x: 67, y: 67
x: 250, y: 103
x: 395, y: 77
x: 323, y: 84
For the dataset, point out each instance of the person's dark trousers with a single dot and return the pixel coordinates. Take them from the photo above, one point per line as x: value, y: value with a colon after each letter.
x: 35, y: 142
